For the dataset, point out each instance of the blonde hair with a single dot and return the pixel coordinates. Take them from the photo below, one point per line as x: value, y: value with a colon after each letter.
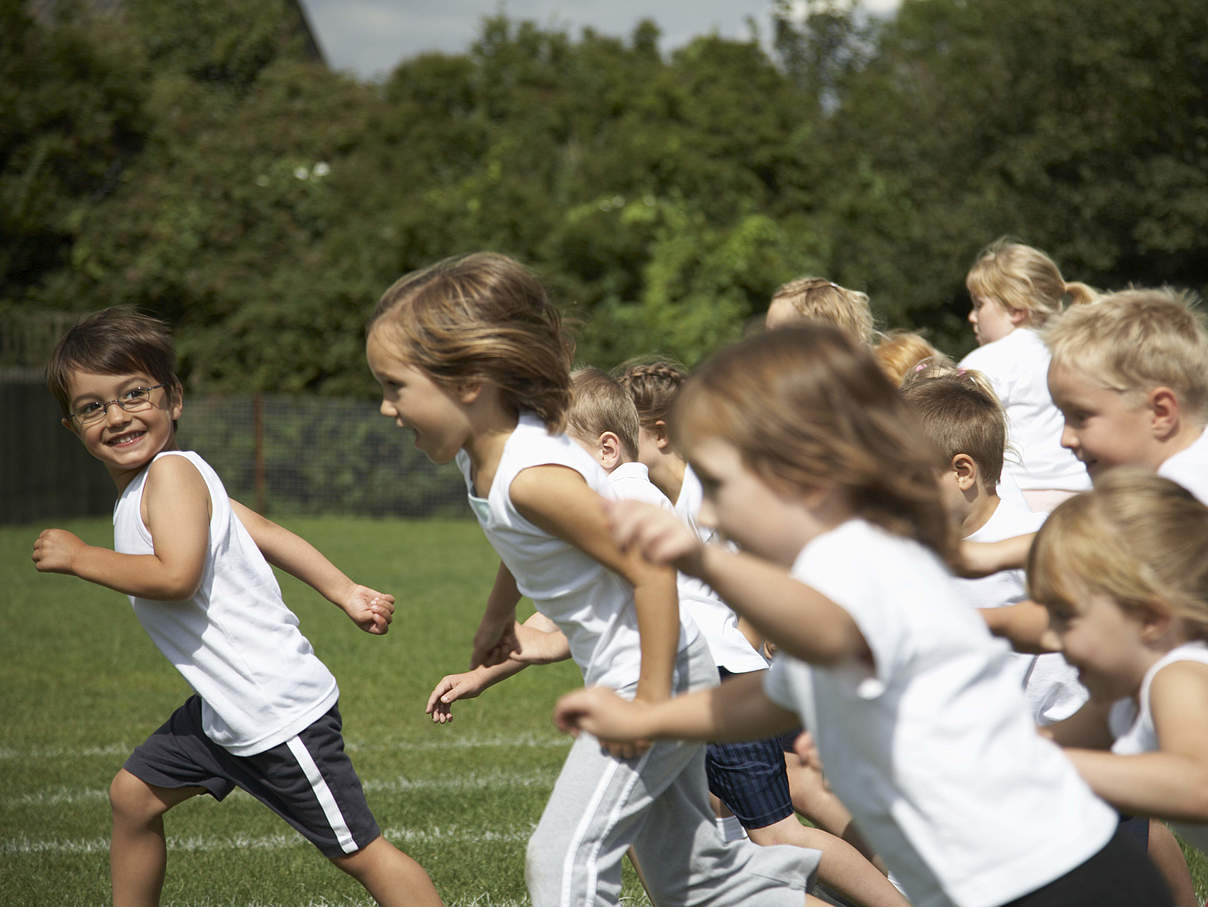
x: 1023, y: 279
x: 900, y: 352
x: 807, y: 407
x: 1135, y: 340
x: 482, y: 316
x: 652, y: 384
x: 823, y: 300
x: 1137, y: 538
x: 598, y: 404
x: 960, y: 414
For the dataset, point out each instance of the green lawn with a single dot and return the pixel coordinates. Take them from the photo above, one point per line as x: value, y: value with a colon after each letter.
x: 81, y: 684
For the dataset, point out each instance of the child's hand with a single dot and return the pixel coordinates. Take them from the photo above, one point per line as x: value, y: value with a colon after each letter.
x: 600, y: 712
x: 55, y: 551
x: 369, y: 609
x: 807, y: 751
x: 494, y: 641
x: 451, y: 688
x: 539, y: 647
x: 659, y: 535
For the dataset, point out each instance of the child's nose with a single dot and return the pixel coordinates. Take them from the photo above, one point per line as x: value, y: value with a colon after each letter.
x: 1069, y: 438
x: 114, y: 414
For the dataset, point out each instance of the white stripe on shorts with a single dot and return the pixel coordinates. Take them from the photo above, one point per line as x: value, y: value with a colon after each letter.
x: 331, y: 809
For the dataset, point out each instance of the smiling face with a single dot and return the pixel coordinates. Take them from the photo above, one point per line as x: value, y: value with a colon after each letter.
x: 991, y: 320
x: 413, y: 400
x: 1104, y: 642
x: 124, y: 442
x: 1103, y: 427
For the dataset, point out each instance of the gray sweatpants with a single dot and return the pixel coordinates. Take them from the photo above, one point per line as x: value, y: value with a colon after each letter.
x: 658, y: 804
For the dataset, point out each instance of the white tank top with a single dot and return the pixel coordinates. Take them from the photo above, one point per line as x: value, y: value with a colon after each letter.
x: 234, y: 641
x: 1134, y: 729
x: 592, y: 605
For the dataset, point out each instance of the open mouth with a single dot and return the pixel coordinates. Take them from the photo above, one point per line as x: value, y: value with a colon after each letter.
x: 126, y: 439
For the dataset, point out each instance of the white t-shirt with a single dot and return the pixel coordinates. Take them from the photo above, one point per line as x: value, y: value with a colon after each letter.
x: 631, y: 482
x: 1017, y: 366
x: 592, y: 605
x: 1049, y: 682
x: 234, y: 641
x: 1189, y: 467
x: 1134, y: 729
x: 718, y: 623
x: 933, y: 749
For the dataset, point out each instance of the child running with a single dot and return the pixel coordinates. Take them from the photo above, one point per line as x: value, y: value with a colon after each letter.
x: 471, y: 357
x: 960, y: 415
x: 264, y: 715
x: 751, y: 779
x: 1130, y: 376
x: 1122, y: 572
x: 1015, y: 290
x: 811, y: 463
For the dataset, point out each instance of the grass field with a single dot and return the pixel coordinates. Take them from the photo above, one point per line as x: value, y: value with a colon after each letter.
x: 81, y: 684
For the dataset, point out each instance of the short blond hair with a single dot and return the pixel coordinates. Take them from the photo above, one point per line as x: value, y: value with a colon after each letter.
x: 824, y: 300
x: 599, y: 403
x: 1023, y: 279
x: 1135, y: 340
x: 1137, y: 538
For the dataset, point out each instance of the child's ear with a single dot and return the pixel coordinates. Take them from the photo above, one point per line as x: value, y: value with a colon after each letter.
x: 176, y: 399
x: 1156, y: 620
x: 609, y: 444
x: 468, y: 391
x: 1163, y: 406
x: 68, y: 423
x: 661, y: 438
x: 967, y: 473
x: 1019, y: 316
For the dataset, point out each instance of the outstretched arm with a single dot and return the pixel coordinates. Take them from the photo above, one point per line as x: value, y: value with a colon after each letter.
x: 176, y: 510
x: 739, y: 709
x: 979, y: 559
x: 541, y: 642
x: 793, y: 616
x: 369, y: 609
x: 1025, y: 625
x: 1171, y: 783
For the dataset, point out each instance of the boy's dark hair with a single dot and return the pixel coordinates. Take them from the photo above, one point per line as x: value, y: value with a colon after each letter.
x: 113, y: 341
x: 960, y: 417
x: 599, y: 403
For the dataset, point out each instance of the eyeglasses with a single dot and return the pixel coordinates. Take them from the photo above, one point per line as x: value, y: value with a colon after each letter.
x: 131, y: 401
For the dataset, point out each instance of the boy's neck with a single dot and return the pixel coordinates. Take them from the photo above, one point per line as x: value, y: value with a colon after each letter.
x: 1188, y: 434
x: 981, y: 508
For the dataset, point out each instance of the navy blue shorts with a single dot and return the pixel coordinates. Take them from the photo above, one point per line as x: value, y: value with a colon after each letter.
x: 1119, y: 875
x: 308, y: 780
x: 750, y: 778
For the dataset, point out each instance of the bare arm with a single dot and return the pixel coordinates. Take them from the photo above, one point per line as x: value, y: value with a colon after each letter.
x: 793, y: 616
x: 495, y: 639
x: 979, y: 559
x: 541, y: 642
x: 1025, y: 625
x: 1171, y: 783
x: 369, y: 609
x: 176, y: 510
x: 739, y: 709
x: 559, y: 500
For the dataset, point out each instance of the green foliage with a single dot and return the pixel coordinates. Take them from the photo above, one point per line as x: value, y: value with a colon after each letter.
x: 193, y: 159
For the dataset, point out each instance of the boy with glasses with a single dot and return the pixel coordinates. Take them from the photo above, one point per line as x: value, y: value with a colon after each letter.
x: 264, y: 714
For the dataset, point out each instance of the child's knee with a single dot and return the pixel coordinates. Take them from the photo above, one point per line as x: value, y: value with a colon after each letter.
x: 132, y: 798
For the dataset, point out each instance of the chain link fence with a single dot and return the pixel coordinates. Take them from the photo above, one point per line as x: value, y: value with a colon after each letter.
x: 282, y: 455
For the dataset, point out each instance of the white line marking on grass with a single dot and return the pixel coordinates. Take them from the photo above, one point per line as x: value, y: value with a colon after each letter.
x: 24, y: 845
x: 408, y: 744
x: 472, y: 781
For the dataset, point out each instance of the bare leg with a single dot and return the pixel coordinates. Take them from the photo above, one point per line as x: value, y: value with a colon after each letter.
x: 390, y: 876
x: 138, y: 854
x: 842, y: 868
x: 1166, y: 854
x: 814, y: 800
